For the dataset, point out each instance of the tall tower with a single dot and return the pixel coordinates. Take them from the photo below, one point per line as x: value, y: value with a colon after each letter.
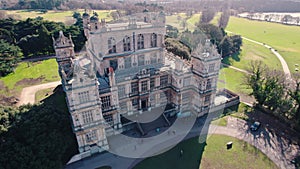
x: 82, y: 94
x: 206, y: 65
x: 64, y: 49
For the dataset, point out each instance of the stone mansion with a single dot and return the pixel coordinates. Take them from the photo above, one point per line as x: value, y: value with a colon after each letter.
x: 125, y: 71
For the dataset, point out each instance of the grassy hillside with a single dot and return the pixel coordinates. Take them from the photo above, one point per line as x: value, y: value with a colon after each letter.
x: 285, y: 39
x: 250, y: 52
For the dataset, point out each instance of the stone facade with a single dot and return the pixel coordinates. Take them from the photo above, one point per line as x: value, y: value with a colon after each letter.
x: 126, y: 72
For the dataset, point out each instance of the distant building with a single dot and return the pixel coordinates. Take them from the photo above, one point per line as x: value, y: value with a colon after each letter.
x: 126, y: 71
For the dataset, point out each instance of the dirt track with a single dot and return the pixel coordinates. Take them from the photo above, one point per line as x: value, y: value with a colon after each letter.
x: 28, y: 93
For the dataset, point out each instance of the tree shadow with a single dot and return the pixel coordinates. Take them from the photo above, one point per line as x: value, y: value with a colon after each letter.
x: 41, y: 137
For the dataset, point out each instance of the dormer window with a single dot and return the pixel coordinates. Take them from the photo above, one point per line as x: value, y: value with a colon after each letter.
x: 154, y: 40
x: 140, y: 42
x: 112, y: 45
x: 126, y: 44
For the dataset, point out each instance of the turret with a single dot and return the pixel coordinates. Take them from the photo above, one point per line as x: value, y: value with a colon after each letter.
x: 64, y: 49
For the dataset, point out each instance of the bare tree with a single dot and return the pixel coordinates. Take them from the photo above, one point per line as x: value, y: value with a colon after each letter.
x: 223, y: 21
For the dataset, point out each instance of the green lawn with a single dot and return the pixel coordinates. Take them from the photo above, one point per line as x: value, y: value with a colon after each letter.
x: 57, y: 16
x: 250, y: 52
x: 233, y: 80
x: 215, y: 155
x: 242, y: 155
x: 285, y: 39
x: 215, y: 21
x: 192, y: 21
x: 220, y: 122
x: 37, y: 73
x: 43, y: 94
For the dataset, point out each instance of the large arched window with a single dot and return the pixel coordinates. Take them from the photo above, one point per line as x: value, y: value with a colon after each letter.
x: 140, y: 42
x: 154, y: 40
x: 112, y: 45
x: 126, y: 43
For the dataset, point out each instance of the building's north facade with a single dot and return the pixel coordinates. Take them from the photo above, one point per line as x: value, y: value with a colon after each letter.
x: 126, y: 72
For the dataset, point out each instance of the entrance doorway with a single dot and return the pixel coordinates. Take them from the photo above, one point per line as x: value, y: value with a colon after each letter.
x: 144, y: 104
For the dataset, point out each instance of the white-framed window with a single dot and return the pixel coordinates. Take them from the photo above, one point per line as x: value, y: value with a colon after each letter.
x: 108, y: 118
x: 141, y: 60
x: 84, y: 96
x: 144, y: 86
x: 211, y: 67
x: 207, y: 99
x: 135, y: 103
x: 153, y: 58
x: 91, y: 136
x: 153, y: 40
x: 140, y: 42
x: 105, y: 102
x: 164, y: 80
x: 126, y: 43
x: 127, y: 62
x: 112, y: 45
x: 187, y: 81
x: 134, y: 87
x: 152, y: 83
x: 121, y: 91
x: 208, y: 84
x: 87, y: 117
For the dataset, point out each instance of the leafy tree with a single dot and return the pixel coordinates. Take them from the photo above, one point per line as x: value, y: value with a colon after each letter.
x: 294, y: 93
x: 223, y: 21
x: 172, y: 31
x: 207, y: 15
x: 225, y: 46
x: 178, y: 48
x: 213, y: 32
x: 9, y: 57
x: 76, y: 15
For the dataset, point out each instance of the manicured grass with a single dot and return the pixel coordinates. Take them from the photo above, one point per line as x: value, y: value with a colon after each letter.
x: 42, y: 94
x: 57, y: 16
x: 241, y: 155
x: 220, y: 122
x: 192, y: 21
x: 215, y: 21
x: 285, y: 39
x: 213, y: 155
x: 233, y: 80
x: 37, y: 73
x: 251, y: 52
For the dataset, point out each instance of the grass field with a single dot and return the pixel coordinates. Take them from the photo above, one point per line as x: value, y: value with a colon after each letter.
x: 233, y: 80
x: 242, y: 155
x: 57, y: 16
x: 176, y: 22
x: 37, y: 73
x: 43, y: 94
x: 215, y: 155
x: 215, y: 21
x: 251, y: 52
x: 285, y: 39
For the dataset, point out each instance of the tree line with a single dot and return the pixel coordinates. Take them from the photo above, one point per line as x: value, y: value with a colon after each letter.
x: 37, y: 136
x: 31, y: 38
x: 274, y: 93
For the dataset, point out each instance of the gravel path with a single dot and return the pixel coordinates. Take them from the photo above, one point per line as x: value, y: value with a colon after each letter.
x: 28, y: 93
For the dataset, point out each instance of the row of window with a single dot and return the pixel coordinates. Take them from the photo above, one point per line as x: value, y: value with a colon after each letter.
x: 144, y: 86
x: 112, y: 48
x: 140, y: 62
